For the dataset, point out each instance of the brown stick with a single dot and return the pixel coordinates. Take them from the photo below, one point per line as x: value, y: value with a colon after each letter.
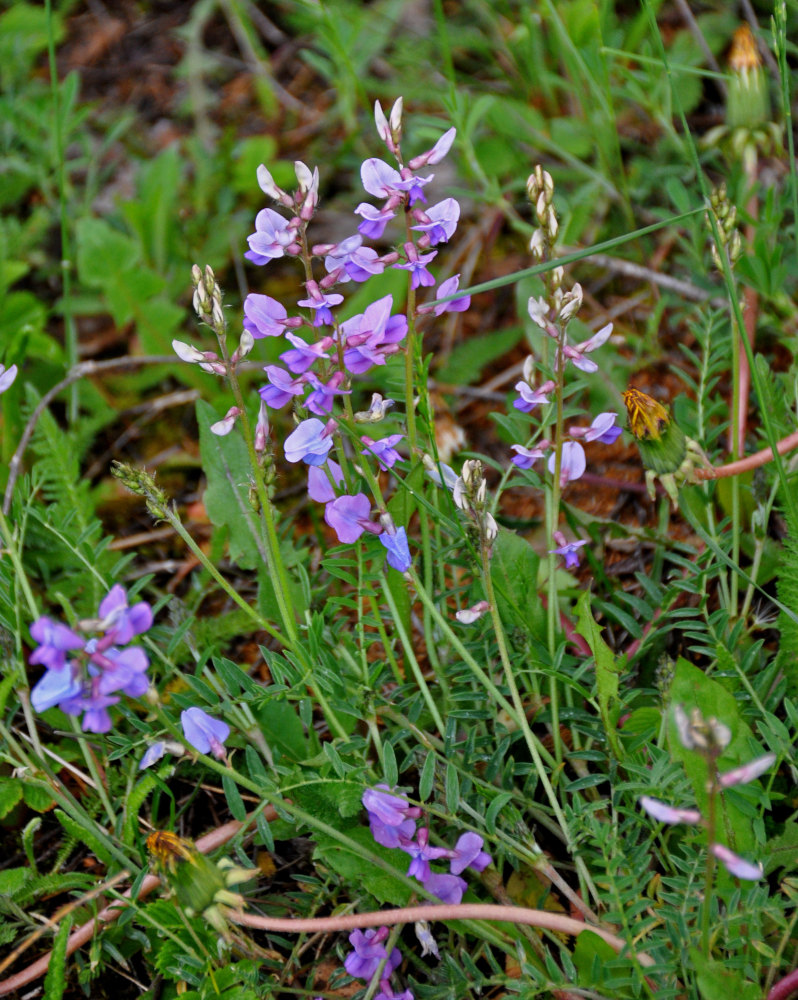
x: 749, y: 462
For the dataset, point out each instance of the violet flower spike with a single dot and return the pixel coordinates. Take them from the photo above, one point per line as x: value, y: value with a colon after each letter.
x: 446, y: 288
x: 353, y: 260
x: 203, y: 732
x: 302, y: 355
x: 374, y: 220
x: 320, y: 400
x: 417, y: 266
x: 321, y: 303
x: 422, y: 852
x: 54, y: 687
x: 282, y: 387
x: 448, y: 888
x: 266, y: 317
x: 529, y: 397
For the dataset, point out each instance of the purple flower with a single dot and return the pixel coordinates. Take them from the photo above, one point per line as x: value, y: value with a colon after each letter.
x: 386, y: 993
x: 525, y: 458
x: 55, y: 641
x: 310, y: 442
x: 152, y: 755
x: 437, y: 153
x: 449, y: 287
x: 573, y: 462
x: 95, y: 708
x: 122, y: 670
x: 54, y: 687
x: 736, y: 865
x: 576, y: 354
x: 398, y: 549
x: 271, y: 237
x: 371, y: 336
x: 282, y: 387
x: 353, y: 260
x: 320, y: 401
x: 422, y: 853
x: 417, y: 266
x: 320, y: 302
x: 747, y: 772
x: 349, y: 517
x: 120, y: 621
x: 387, y: 807
x: 530, y: 397
x: 602, y: 429
x: 383, y: 450
x: 320, y: 488
x: 302, y: 355
x: 448, y: 888
x: 664, y: 813
x: 568, y: 550
x: 203, y: 732
x: 374, y: 220
x: 380, y: 179
x: 7, y: 376
x: 468, y: 853
x: 439, y: 221
x: 368, y: 952
x: 264, y: 316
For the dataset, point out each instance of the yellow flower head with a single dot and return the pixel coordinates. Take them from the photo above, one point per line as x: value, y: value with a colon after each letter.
x: 648, y: 419
x: 167, y: 849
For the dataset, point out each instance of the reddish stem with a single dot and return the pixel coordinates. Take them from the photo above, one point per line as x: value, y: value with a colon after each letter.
x: 749, y: 462
x: 785, y: 987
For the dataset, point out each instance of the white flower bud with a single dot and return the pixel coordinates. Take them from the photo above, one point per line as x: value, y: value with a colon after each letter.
x: 469, y: 615
x: 571, y: 303
x: 267, y: 185
x: 187, y: 353
x: 223, y: 427
x: 304, y: 176
x: 383, y: 129
x: 396, y: 117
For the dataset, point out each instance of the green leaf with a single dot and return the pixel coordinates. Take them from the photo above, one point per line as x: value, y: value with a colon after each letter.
x: 352, y: 869
x: 83, y: 833
x: 282, y: 729
x: 55, y: 980
x: 514, y: 570
x: 607, y: 671
x: 10, y: 794
x: 13, y: 879
x: 36, y: 797
x: 717, y: 981
x: 227, y: 470
x: 466, y: 362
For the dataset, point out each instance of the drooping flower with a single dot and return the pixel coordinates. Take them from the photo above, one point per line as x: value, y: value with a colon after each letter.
x: 203, y: 732
x: 223, y: 427
x: 302, y: 355
x: 398, y: 550
x: 371, y: 336
x: 152, y: 755
x: 320, y: 400
x: 416, y: 264
x: 573, y: 463
x: 349, y: 517
x: 568, y: 550
x: 374, y: 220
x: 94, y: 707
x: 467, y: 616
x: 321, y: 303
x: 746, y: 772
x: 437, y: 153
x: 529, y: 398
x: 309, y: 442
x: 54, y: 687
x: 272, y: 236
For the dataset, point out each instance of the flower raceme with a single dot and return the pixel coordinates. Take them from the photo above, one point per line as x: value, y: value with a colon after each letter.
x: 86, y: 674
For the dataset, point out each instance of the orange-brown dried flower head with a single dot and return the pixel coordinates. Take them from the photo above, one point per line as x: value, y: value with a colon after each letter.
x: 647, y: 417
x: 167, y: 848
x: 743, y: 55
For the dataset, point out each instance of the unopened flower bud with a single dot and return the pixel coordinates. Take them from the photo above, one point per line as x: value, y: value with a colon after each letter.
x: 376, y: 411
x: 469, y: 615
x: 571, y: 303
x: 223, y: 427
x: 187, y: 353
x: 245, y: 344
x: 267, y: 185
x: 262, y: 429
